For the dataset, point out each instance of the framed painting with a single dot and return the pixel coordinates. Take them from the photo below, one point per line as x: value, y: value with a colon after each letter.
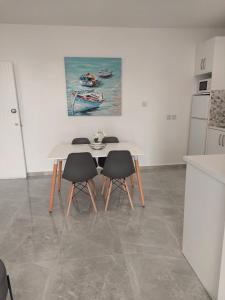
x: 93, y: 86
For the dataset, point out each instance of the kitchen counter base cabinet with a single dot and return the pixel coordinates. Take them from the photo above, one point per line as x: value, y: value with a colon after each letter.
x: 203, y: 232
x: 215, y: 141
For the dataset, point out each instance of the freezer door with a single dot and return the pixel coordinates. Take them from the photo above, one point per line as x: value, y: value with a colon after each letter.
x: 197, y: 136
x: 200, y: 106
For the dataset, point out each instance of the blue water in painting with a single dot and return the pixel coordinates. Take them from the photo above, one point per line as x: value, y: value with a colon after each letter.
x: 110, y: 87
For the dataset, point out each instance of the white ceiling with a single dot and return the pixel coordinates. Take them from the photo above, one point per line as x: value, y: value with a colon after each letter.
x: 124, y: 13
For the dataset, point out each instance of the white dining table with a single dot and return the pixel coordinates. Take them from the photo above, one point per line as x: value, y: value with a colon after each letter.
x: 60, y: 153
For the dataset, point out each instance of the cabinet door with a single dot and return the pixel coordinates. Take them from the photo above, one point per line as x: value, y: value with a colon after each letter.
x: 199, y: 59
x: 204, y: 57
x: 218, y: 72
x: 215, y: 142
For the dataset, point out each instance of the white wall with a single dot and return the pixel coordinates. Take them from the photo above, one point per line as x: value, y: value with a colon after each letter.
x: 158, y: 66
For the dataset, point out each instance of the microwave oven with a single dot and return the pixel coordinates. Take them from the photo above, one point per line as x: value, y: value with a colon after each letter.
x: 204, y: 86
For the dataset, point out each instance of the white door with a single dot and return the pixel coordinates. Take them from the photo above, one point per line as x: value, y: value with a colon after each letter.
x: 197, y: 137
x: 12, y: 161
x: 215, y: 142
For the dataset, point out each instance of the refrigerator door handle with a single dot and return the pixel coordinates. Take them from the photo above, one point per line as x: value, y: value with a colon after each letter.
x: 223, y: 140
x: 197, y: 118
x: 219, y: 142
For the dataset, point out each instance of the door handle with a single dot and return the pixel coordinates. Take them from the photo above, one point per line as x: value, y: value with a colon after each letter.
x: 220, y: 139
x: 204, y: 63
x: 223, y: 140
x: 201, y: 64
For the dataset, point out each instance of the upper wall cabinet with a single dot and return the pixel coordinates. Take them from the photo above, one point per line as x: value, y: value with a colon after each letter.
x: 204, y: 57
x: 210, y: 58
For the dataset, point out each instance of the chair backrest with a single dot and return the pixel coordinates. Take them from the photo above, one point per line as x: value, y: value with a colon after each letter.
x: 3, y: 282
x: 118, y: 164
x: 79, y: 167
x: 110, y: 139
x: 80, y: 141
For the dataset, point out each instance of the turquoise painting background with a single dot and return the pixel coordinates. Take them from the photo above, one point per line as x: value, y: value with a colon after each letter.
x: 110, y: 87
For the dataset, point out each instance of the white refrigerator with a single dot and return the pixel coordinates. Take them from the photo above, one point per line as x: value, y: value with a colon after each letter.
x: 198, y: 124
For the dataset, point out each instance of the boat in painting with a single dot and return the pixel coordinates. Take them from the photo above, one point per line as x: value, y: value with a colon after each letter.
x: 86, y: 100
x: 88, y: 80
x: 104, y: 74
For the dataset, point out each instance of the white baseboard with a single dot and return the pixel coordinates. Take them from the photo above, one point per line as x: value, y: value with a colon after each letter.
x: 48, y: 173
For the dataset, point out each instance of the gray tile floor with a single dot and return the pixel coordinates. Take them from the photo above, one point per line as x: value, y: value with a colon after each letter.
x: 118, y: 255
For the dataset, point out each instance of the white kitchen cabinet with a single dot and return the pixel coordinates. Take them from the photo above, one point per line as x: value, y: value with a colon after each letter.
x: 215, y: 141
x: 210, y: 59
x: 204, y: 57
x: 218, y: 67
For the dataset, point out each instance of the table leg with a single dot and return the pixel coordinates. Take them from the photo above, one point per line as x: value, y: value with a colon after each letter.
x: 54, y: 175
x: 139, y: 181
x: 59, y: 175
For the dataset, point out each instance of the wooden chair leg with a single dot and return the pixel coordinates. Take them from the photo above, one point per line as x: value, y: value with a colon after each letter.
x: 103, y: 178
x: 108, y: 195
x: 132, y: 181
x: 70, y: 198
x: 92, y: 184
x: 91, y: 195
x: 69, y: 193
x: 106, y: 189
x: 123, y: 186
x: 103, y: 185
x: 128, y: 193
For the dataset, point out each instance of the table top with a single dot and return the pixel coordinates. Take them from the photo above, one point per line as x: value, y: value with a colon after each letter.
x: 60, y: 152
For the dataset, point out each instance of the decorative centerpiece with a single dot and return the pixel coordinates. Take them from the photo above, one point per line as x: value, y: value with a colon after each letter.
x: 97, y: 142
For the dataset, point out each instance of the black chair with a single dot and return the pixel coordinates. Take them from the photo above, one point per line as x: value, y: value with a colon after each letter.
x: 5, y: 285
x: 83, y: 141
x: 118, y: 166
x: 80, y: 170
x: 105, y: 140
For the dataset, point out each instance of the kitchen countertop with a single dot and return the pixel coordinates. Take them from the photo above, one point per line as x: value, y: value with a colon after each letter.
x: 217, y: 128
x: 213, y: 165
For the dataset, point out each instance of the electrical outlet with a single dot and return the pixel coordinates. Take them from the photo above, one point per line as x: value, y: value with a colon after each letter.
x: 168, y: 117
x: 173, y: 117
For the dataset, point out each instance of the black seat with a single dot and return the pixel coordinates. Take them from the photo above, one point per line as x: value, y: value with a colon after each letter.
x: 110, y: 139
x: 83, y: 141
x: 80, y: 141
x: 80, y: 170
x: 5, y: 285
x: 105, y: 140
x: 118, y: 166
